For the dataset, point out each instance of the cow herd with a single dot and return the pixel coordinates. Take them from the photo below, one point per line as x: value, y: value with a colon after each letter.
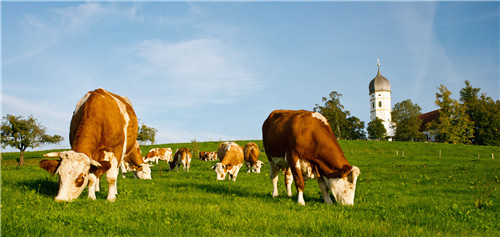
x: 103, y: 134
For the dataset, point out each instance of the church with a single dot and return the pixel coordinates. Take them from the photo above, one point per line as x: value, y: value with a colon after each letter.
x: 380, y: 101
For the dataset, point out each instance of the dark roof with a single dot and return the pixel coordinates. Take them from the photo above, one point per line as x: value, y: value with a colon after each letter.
x: 379, y: 83
x: 427, y: 118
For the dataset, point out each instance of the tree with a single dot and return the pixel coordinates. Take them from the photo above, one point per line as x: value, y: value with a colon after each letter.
x: 453, y: 125
x: 355, y: 129
x: 23, y: 133
x: 334, y: 112
x: 376, y: 129
x: 146, y: 133
x: 405, y: 117
x: 484, y: 113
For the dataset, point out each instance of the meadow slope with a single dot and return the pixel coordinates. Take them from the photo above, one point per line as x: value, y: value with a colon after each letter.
x: 418, y: 194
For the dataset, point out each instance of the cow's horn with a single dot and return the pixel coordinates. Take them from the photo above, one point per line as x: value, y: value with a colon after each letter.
x: 52, y: 154
x: 94, y: 163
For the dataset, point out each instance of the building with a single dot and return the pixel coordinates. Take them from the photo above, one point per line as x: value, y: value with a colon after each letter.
x: 427, y: 118
x: 380, y: 101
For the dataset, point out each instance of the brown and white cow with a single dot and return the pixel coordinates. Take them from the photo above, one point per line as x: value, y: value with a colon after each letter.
x: 181, y: 157
x: 231, y: 155
x: 208, y: 155
x: 303, y: 142
x: 156, y: 154
x: 212, y: 155
x: 130, y: 165
x: 103, y: 131
x: 203, y: 155
x: 251, y: 155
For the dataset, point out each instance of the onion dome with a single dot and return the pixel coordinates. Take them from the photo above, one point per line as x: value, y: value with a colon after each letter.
x: 379, y: 83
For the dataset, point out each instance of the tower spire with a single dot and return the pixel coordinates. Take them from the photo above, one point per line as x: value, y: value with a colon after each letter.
x: 378, y: 63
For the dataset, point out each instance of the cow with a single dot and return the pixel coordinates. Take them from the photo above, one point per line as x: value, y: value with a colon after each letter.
x: 303, y: 145
x: 203, y: 155
x: 231, y: 155
x: 212, y: 155
x: 156, y: 154
x: 103, y: 131
x: 251, y: 157
x: 129, y: 165
x: 208, y: 155
x: 182, y: 157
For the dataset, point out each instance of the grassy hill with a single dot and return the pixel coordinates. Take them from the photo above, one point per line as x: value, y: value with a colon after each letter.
x: 418, y: 194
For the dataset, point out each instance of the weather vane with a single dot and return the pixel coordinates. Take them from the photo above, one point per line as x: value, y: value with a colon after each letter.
x: 378, y: 62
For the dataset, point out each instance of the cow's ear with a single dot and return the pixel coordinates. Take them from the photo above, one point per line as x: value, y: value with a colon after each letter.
x: 98, y: 171
x: 50, y: 165
x: 353, y: 176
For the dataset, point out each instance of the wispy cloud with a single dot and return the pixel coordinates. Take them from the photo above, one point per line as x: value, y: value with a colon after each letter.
x: 42, y: 33
x: 194, y: 71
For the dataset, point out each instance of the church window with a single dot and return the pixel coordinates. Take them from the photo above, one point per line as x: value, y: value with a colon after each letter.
x: 373, y: 105
x: 380, y: 104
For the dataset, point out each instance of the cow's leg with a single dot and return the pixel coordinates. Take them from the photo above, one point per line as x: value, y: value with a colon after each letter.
x: 92, y: 185
x: 324, y: 190
x: 293, y: 161
x: 273, y: 174
x: 97, y: 184
x: 111, y: 177
x: 288, y: 181
x: 248, y: 166
x: 237, y: 170
x: 124, y: 170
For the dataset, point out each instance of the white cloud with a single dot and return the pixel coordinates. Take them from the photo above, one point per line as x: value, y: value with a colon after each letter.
x: 193, y: 71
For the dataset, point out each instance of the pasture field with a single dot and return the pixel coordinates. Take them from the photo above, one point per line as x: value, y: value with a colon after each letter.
x: 419, y: 194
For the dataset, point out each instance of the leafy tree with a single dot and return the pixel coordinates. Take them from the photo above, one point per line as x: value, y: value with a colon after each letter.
x: 23, y: 133
x: 376, y: 129
x: 453, y: 125
x: 484, y: 113
x: 405, y: 117
x: 334, y: 112
x: 146, y: 133
x: 355, y: 129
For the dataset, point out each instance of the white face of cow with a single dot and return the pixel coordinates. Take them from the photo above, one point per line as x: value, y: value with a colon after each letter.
x: 256, y: 167
x: 220, y: 170
x: 343, y: 189
x: 144, y: 172
x: 73, y: 174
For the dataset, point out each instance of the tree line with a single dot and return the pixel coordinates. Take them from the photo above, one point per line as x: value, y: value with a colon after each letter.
x: 473, y: 119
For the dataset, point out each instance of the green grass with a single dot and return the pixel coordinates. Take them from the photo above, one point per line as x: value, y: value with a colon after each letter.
x: 419, y: 194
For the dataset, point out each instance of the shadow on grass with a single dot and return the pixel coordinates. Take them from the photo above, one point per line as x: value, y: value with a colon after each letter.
x: 44, y: 186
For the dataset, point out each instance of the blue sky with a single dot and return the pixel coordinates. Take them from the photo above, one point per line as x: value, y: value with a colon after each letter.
x: 214, y: 71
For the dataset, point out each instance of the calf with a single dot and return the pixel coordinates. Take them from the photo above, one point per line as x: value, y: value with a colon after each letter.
x: 156, y: 154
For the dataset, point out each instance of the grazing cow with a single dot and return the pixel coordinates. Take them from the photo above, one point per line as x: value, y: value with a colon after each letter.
x: 129, y: 165
x: 303, y: 142
x: 203, y: 155
x: 208, y: 155
x: 251, y: 154
x: 212, y: 155
x: 231, y: 155
x: 156, y: 154
x: 103, y: 131
x: 181, y: 157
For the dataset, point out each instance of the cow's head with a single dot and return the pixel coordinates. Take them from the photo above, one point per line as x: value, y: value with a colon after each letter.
x: 73, y: 170
x: 144, y: 171
x: 221, y: 170
x: 343, y: 189
x: 256, y: 166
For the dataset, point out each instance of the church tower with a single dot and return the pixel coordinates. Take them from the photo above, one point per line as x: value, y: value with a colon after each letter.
x: 380, y: 100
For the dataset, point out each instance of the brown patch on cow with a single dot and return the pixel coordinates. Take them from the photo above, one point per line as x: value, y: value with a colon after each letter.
x: 50, y: 165
x: 80, y: 180
x: 98, y: 171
